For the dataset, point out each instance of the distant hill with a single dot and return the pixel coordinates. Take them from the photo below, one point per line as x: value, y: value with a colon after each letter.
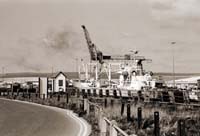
x: 74, y: 75
x: 32, y: 74
x: 176, y: 74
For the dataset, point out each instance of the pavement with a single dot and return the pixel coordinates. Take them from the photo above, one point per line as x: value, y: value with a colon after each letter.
x: 27, y: 119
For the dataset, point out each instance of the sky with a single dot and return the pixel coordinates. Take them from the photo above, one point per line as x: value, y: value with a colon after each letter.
x: 38, y: 35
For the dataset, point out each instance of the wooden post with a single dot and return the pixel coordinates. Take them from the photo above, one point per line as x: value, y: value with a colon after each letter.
x: 105, y: 102
x: 29, y: 95
x: 50, y: 95
x: 96, y: 112
x: 78, y: 92
x: 36, y: 95
x: 128, y: 112
x: 58, y: 99
x: 43, y: 96
x: 67, y: 97
x: 82, y: 105
x: 181, y: 128
x: 156, y: 124
x: 112, y: 131
x: 122, y: 109
x: 111, y: 102
x: 23, y: 95
x: 27, y: 91
x: 85, y: 105
x: 103, y: 127
x: 139, y: 95
x: 99, y: 117
x: 12, y: 90
x: 17, y: 92
x: 88, y: 108
x: 139, y: 111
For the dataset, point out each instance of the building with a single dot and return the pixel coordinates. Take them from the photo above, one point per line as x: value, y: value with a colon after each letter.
x: 57, y: 83
x: 43, y: 84
x: 185, y: 83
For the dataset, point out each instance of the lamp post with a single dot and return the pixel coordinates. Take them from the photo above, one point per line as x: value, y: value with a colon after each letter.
x: 52, y: 70
x: 3, y: 69
x: 173, y: 43
x: 76, y: 59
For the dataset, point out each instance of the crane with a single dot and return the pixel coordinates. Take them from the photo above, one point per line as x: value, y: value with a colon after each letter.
x: 95, y: 54
x: 106, y: 60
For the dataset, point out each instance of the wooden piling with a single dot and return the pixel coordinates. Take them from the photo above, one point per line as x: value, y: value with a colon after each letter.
x: 139, y: 115
x: 181, y: 128
x: 88, y: 108
x: 51, y: 95
x: 36, y: 95
x: 122, y: 109
x: 85, y: 105
x: 78, y: 93
x: 58, y: 98
x: 103, y: 127
x: 67, y: 97
x: 112, y: 130
x: 17, y: 92
x: 128, y: 112
x: 23, y: 95
x: 29, y: 95
x: 43, y: 96
x: 105, y: 102
x: 111, y: 102
x: 82, y: 105
x: 156, y: 124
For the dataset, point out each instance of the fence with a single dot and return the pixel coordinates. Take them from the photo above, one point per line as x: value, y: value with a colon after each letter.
x: 103, y: 122
x: 110, y: 128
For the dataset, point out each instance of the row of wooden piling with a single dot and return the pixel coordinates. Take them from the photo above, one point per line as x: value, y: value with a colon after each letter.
x: 180, y: 125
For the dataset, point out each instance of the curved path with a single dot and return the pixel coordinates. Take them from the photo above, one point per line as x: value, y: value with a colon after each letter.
x: 27, y: 119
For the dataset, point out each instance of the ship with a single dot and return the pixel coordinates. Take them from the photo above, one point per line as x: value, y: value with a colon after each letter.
x: 131, y: 75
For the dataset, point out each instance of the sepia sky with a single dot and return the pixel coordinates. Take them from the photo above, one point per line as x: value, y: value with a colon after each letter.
x: 36, y: 35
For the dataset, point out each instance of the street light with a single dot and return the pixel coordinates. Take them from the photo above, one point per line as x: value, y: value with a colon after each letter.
x: 52, y: 71
x: 76, y: 59
x: 3, y: 70
x: 173, y: 43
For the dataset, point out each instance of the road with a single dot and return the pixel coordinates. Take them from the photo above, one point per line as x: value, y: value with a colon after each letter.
x: 24, y: 119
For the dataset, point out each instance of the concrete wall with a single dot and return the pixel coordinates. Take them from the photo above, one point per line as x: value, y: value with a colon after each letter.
x: 43, y: 87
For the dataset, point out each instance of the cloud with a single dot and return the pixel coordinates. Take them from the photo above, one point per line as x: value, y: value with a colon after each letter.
x: 116, y: 27
x: 57, y: 49
x: 61, y: 40
x: 176, y: 8
x: 187, y: 7
x: 161, y: 4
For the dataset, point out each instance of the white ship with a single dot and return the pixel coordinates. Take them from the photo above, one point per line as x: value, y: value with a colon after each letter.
x: 132, y: 77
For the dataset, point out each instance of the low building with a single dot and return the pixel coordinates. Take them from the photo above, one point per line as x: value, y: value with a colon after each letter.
x: 57, y: 83
x: 185, y: 83
x: 44, y: 84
